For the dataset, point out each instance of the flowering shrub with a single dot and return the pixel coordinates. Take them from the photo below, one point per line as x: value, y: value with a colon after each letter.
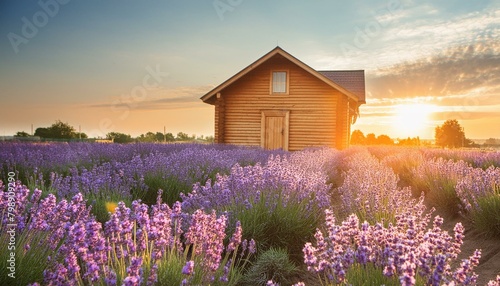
x: 403, y: 163
x: 279, y: 204
x: 72, y: 230
x: 370, y: 190
x: 406, y: 251
x: 476, y: 158
x: 437, y: 178
x: 479, y: 194
x: 135, y: 246
x: 245, y: 185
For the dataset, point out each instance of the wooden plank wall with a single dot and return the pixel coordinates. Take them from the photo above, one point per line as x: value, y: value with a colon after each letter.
x: 315, y: 108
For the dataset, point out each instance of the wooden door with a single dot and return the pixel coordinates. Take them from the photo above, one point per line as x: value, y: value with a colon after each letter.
x: 274, y: 129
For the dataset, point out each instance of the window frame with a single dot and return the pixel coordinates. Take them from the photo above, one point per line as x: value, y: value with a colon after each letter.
x: 287, y: 82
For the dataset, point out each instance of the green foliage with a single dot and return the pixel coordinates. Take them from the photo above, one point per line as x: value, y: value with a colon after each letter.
x: 21, y: 134
x: 492, y: 142
x: 171, y: 186
x: 32, y: 261
x: 371, y: 139
x: 181, y: 136
x: 384, y: 140
x: 439, y: 191
x: 450, y: 134
x: 58, y: 130
x: 357, y: 138
x: 103, y: 205
x: 273, y: 264
x: 169, y: 269
x: 274, y: 221
x: 487, y: 217
x: 369, y: 275
x: 118, y: 137
x: 403, y: 165
x: 415, y: 141
x: 155, y: 137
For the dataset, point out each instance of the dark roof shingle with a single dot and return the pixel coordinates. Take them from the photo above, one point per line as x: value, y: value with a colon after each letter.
x: 352, y: 80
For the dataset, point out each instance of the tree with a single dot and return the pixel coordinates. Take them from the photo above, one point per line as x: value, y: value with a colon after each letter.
x: 118, y: 137
x: 358, y: 138
x: 58, y: 130
x: 43, y: 132
x: 170, y: 137
x: 22, y: 134
x: 62, y: 130
x: 384, y: 140
x: 450, y: 134
x: 415, y: 141
x: 492, y: 142
x: 148, y: 137
x: 371, y: 139
x: 159, y: 137
x: 181, y: 136
x: 80, y: 135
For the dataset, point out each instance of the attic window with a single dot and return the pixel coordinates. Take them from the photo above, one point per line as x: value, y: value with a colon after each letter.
x: 279, y: 83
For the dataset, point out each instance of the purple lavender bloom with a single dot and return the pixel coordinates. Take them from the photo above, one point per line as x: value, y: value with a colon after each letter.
x: 134, y: 272
x: 188, y: 269
x: 224, y: 277
x: 153, y: 276
x: 252, y: 248
x: 236, y: 238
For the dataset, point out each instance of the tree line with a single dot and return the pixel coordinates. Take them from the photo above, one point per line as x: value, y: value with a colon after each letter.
x: 61, y: 130
x: 448, y: 135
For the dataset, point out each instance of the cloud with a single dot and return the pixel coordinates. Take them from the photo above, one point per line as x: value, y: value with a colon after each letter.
x: 411, y: 32
x: 464, y: 115
x: 158, y: 99
x: 462, y: 70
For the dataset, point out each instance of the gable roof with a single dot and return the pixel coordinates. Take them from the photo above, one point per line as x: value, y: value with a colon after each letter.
x: 343, y: 77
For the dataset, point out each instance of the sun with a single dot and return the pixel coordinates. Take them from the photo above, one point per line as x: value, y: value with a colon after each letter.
x: 411, y: 120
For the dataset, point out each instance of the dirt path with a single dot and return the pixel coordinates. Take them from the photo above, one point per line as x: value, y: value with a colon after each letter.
x: 489, y: 264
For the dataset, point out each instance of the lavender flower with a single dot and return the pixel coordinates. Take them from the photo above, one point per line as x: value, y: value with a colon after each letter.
x: 406, y: 250
x: 134, y: 275
x: 188, y: 269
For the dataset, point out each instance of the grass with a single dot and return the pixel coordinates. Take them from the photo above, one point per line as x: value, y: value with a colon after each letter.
x: 171, y: 186
x: 369, y: 275
x: 487, y: 218
x: 439, y: 191
x: 29, y: 262
x: 104, y: 203
x: 288, y: 225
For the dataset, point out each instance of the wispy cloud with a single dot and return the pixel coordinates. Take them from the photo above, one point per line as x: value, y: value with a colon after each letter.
x: 159, y: 98
x: 410, y: 33
x: 466, y: 70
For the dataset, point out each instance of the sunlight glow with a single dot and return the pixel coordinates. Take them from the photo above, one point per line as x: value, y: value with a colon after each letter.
x: 411, y: 119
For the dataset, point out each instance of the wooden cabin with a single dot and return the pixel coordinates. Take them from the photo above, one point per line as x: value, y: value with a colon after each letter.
x: 280, y: 102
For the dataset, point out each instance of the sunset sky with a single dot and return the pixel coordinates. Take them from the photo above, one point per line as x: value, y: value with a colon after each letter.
x: 137, y: 66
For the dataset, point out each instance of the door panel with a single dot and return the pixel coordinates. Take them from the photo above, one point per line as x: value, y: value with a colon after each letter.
x: 274, y: 129
x: 274, y: 133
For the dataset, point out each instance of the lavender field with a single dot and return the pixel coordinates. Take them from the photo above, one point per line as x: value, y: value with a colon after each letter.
x: 187, y: 214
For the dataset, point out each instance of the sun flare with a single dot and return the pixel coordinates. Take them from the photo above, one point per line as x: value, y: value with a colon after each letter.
x: 411, y: 119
